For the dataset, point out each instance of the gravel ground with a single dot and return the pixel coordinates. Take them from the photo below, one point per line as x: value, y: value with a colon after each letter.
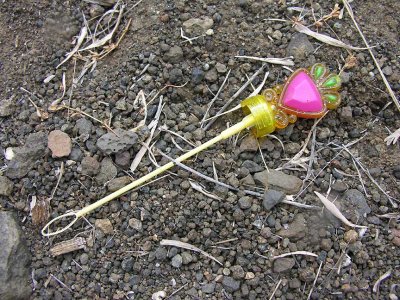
x: 122, y: 256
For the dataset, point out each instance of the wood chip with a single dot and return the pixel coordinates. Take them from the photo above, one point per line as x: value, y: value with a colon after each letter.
x: 39, y: 211
x: 179, y: 244
x: 74, y: 244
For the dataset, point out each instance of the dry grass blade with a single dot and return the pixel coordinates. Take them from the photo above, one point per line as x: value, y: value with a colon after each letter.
x: 275, y: 289
x: 54, y: 105
x: 187, y: 246
x: 82, y: 36
x: 393, y: 138
x: 324, y: 38
x: 260, y: 87
x: 390, y: 216
x: 296, y: 253
x: 242, y: 88
x: 336, y: 212
x: 388, y: 87
x: 196, y: 186
x: 74, y: 244
x: 140, y: 98
x: 152, y: 126
x: 105, y: 39
x: 315, y: 281
x: 286, y: 61
x: 106, y: 3
x: 375, y: 289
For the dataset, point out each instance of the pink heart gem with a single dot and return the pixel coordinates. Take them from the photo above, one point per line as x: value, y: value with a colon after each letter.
x: 301, y: 94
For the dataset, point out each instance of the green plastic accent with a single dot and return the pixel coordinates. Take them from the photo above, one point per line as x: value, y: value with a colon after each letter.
x: 331, y: 98
x: 319, y: 71
x: 332, y: 82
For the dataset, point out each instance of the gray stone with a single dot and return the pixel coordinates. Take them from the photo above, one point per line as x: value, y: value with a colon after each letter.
x: 117, y: 183
x: 221, y: 68
x: 84, y: 258
x: 387, y: 70
x: 283, y: 264
x: 252, y: 166
x: 346, y: 114
x: 83, y: 126
x: 6, y: 186
x: 198, y: 26
x: 89, y: 166
x: 161, y: 253
x: 123, y: 159
x: 339, y: 186
x: 197, y: 75
x: 14, y: 260
x: 127, y: 264
x: 135, y: 224
x: 26, y: 156
x: 299, y: 47
x: 230, y: 284
x: 245, y: 202
x: 110, y: 143
x: 354, y: 206
x: 175, y: 75
x: 212, y: 75
x: 95, y: 10
x: 176, y: 261
x: 237, y: 272
x: 76, y: 154
x: 187, y: 258
x: 278, y: 180
x: 294, y: 283
x: 248, y: 180
x: 249, y: 143
x: 174, y: 55
x: 208, y: 288
x: 272, y: 198
x: 7, y: 108
x: 295, y: 230
x: 107, y: 171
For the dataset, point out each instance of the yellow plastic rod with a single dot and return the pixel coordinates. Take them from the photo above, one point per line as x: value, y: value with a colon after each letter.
x: 247, y: 122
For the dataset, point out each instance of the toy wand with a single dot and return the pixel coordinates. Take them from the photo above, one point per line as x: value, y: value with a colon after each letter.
x: 308, y: 93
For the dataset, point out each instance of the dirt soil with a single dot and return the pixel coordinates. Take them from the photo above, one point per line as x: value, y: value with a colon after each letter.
x: 123, y: 258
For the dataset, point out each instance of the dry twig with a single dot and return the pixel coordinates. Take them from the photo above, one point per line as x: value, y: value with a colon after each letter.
x: 187, y: 246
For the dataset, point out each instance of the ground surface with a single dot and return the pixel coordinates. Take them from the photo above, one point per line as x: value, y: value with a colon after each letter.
x: 127, y: 262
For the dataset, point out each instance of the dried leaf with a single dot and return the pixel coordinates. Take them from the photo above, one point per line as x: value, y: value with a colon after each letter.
x: 335, y: 211
x: 200, y: 189
x: 54, y: 105
x: 272, y: 60
x: 393, y: 138
x: 324, y: 38
x: 179, y: 244
x: 39, y: 211
x: 74, y: 244
x: 81, y: 37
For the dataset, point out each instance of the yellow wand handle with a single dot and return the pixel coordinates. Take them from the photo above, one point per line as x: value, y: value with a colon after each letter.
x: 247, y: 122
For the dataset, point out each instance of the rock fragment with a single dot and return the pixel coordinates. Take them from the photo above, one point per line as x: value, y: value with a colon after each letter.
x: 278, y: 180
x: 300, y: 46
x: 107, y: 171
x: 272, y: 198
x: 14, y: 260
x: 104, y: 225
x: 59, y: 143
x: 295, y: 230
x: 110, y: 143
x: 117, y: 183
x: 283, y: 264
x: 26, y: 156
x: 198, y: 26
x: 6, y: 186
